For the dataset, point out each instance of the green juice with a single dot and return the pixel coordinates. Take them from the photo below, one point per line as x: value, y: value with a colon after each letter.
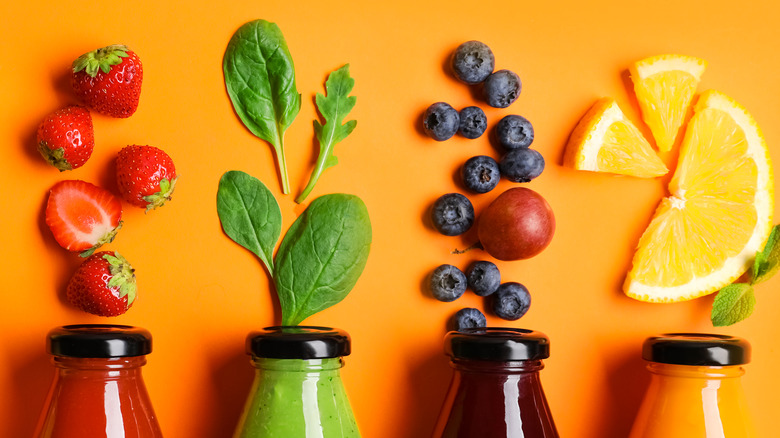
x: 297, y: 398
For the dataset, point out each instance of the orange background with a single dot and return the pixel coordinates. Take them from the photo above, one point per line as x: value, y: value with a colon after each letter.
x: 200, y: 293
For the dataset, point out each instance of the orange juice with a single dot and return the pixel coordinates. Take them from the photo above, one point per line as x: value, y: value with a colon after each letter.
x: 695, y: 389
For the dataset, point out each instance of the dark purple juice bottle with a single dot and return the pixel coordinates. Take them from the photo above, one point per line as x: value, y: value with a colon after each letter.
x: 496, y: 391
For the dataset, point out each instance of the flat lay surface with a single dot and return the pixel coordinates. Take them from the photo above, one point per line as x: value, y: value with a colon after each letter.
x: 200, y: 294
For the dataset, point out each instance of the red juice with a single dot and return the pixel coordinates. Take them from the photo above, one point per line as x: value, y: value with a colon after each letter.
x: 98, y: 390
x: 496, y: 391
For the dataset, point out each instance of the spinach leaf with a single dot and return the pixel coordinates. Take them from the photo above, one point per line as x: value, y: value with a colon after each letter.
x: 321, y: 256
x: 333, y: 107
x: 249, y: 214
x: 260, y: 80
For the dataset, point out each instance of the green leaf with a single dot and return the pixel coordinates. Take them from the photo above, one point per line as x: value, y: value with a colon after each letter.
x: 260, y: 80
x: 733, y: 303
x: 322, y: 256
x: 333, y: 107
x: 122, y: 276
x: 249, y: 214
x: 101, y: 59
x: 767, y: 262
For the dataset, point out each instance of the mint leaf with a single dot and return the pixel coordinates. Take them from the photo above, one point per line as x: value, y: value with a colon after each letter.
x: 333, y: 107
x: 733, y: 303
x: 767, y: 262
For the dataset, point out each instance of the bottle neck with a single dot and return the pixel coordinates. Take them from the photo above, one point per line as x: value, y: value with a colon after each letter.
x: 494, y: 367
x: 97, y: 395
x: 695, y: 372
x: 496, y: 399
x: 100, y: 368
x: 331, y: 365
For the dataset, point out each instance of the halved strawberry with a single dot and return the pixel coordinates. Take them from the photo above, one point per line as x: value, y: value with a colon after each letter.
x: 103, y: 285
x: 82, y: 216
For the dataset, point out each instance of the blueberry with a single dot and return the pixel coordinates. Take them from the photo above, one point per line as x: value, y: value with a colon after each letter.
x: 480, y: 174
x: 521, y: 165
x: 468, y: 318
x: 472, y: 62
x: 448, y: 283
x: 441, y: 121
x: 453, y: 214
x: 514, y: 132
x: 502, y: 88
x: 473, y: 122
x: 484, y: 278
x: 511, y: 301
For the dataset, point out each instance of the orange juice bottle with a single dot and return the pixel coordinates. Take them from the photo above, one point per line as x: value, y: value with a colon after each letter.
x: 695, y: 388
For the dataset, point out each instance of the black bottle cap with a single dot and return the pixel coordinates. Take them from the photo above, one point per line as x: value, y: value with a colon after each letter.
x: 497, y: 344
x: 298, y: 342
x: 99, y: 341
x: 698, y: 349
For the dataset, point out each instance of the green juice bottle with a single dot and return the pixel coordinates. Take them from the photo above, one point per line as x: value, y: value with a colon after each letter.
x: 297, y: 391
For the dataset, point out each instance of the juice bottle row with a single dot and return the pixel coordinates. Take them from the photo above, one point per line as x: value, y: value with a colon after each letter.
x: 495, y: 392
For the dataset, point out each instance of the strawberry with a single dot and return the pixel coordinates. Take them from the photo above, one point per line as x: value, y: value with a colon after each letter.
x: 108, y: 80
x: 103, y: 285
x: 82, y: 216
x: 66, y: 137
x: 145, y: 175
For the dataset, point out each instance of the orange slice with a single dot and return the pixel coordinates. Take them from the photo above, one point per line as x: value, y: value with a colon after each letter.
x: 664, y: 87
x: 719, y: 214
x: 604, y: 140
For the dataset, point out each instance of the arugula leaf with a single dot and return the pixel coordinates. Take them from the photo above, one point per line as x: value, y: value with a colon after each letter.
x: 767, y: 262
x: 249, y: 214
x: 333, y: 107
x: 260, y: 80
x: 322, y: 256
x: 733, y: 303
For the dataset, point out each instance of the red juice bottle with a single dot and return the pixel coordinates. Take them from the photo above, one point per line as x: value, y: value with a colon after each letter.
x: 495, y: 390
x: 98, y: 390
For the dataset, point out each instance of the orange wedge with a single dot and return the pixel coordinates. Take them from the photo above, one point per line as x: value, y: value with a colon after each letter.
x: 664, y: 87
x: 719, y: 212
x: 604, y: 140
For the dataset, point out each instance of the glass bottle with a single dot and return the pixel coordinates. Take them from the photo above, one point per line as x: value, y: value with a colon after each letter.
x: 297, y: 391
x: 495, y: 390
x: 695, y: 388
x: 98, y: 390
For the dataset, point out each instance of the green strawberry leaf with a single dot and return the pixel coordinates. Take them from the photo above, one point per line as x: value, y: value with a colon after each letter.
x: 160, y: 198
x: 122, y: 276
x: 101, y: 59
x: 733, y: 303
x: 767, y: 262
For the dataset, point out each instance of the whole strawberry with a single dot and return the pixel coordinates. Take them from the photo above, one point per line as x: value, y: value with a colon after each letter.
x: 103, y: 285
x: 66, y: 137
x: 145, y: 175
x: 108, y: 80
